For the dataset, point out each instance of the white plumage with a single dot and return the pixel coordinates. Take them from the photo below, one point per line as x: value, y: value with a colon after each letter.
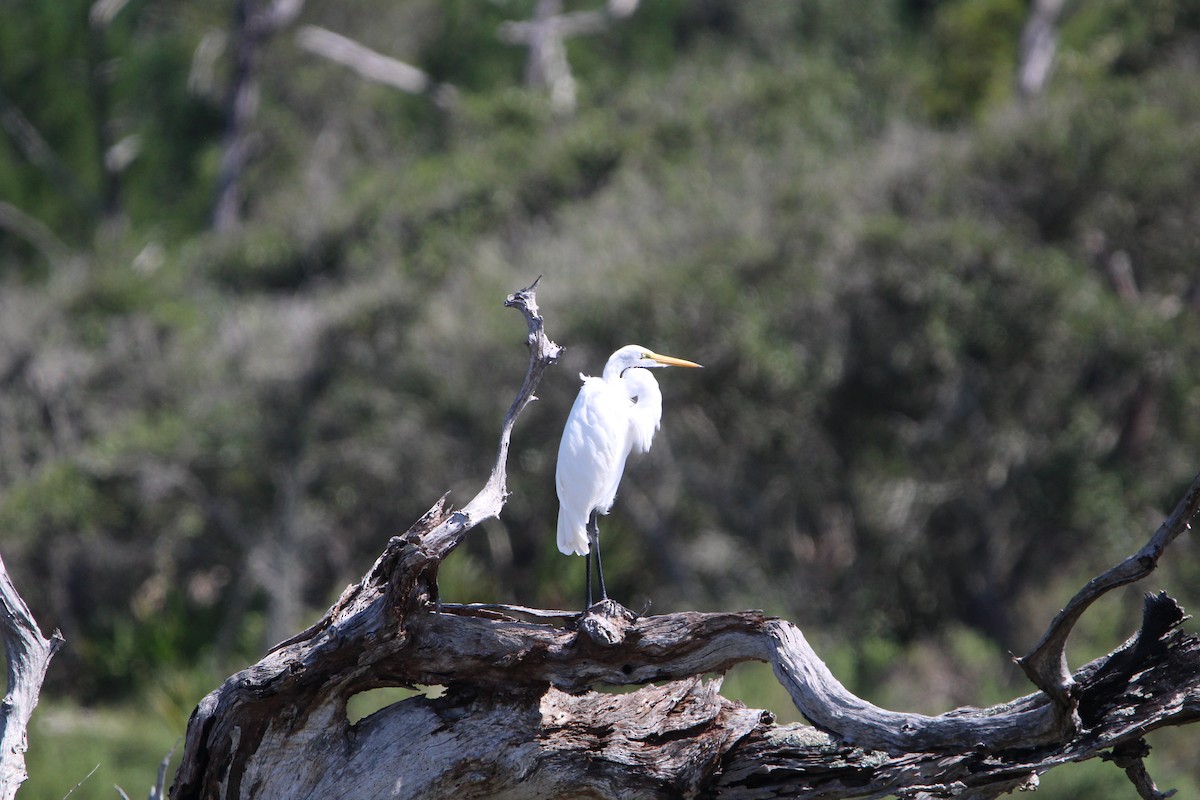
x: 614, y: 415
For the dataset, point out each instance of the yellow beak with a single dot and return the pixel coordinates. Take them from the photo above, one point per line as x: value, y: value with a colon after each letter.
x: 671, y: 361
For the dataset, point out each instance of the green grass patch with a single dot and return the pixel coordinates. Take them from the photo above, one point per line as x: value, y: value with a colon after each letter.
x: 125, y: 745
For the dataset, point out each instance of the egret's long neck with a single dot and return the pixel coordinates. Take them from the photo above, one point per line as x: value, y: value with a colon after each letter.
x: 612, y: 371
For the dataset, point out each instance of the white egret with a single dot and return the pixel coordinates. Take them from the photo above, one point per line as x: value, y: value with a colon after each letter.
x: 613, y: 415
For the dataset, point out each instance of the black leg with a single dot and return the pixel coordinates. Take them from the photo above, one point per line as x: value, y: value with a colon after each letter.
x: 594, y: 537
x: 588, y: 561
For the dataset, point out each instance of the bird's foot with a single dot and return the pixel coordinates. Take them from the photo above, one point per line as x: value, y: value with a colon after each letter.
x: 609, y: 608
x: 605, y: 622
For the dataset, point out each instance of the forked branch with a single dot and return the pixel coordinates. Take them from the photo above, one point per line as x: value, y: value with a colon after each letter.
x: 542, y: 354
x: 1046, y: 665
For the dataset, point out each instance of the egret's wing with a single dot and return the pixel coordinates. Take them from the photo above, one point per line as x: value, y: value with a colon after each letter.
x: 591, y: 458
x: 594, y: 445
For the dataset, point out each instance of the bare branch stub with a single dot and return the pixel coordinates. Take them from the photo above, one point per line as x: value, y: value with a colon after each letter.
x: 29, y: 654
x: 368, y: 63
x: 543, y: 353
x: 1130, y: 756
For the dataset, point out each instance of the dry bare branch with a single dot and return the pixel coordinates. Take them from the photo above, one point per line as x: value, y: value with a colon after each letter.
x: 366, y: 62
x: 1046, y: 665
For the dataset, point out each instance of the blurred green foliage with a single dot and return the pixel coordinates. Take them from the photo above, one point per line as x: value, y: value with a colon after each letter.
x: 950, y: 339
x: 973, y: 56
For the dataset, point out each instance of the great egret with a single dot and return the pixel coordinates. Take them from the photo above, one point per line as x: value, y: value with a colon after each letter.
x: 613, y: 415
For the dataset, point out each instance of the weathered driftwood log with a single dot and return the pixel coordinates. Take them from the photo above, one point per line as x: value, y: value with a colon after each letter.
x: 518, y: 718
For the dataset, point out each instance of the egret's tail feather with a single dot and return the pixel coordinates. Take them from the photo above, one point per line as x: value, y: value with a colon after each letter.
x: 572, y: 535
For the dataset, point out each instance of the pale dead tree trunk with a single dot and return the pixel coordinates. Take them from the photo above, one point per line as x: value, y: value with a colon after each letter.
x: 519, y: 718
x: 545, y: 35
x: 100, y: 18
x: 251, y: 29
x: 29, y: 655
x: 1038, y: 46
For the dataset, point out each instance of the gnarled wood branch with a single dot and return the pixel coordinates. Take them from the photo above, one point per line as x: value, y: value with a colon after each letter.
x: 518, y: 718
x: 1046, y: 664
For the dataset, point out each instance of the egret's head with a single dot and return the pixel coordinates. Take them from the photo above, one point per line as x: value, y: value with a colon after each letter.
x: 634, y: 355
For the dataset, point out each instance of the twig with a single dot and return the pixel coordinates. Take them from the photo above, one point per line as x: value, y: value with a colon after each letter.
x: 158, y: 791
x: 71, y: 791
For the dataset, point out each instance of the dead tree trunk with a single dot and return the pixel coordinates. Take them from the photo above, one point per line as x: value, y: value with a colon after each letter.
x: 518, y: 718
x: 29, y: 654
x: 1038, y: 46
x: 545, y: 35
x: 252, y: 28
